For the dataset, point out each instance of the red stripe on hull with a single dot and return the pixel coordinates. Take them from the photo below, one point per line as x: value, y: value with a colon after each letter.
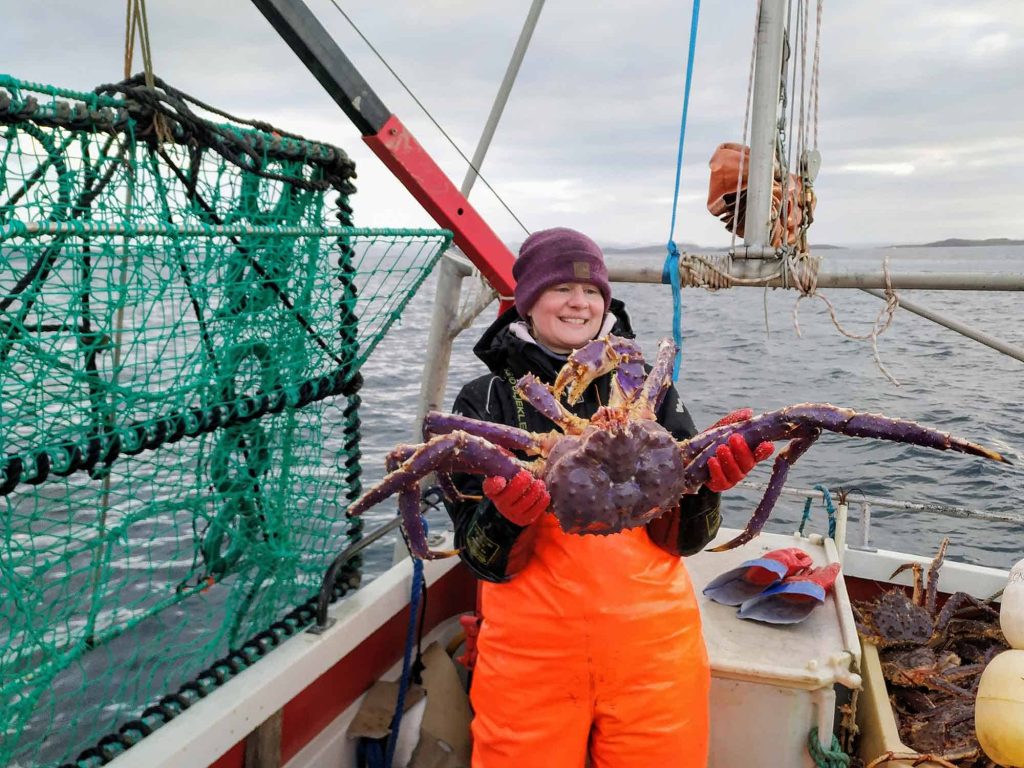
x: 314, y: 708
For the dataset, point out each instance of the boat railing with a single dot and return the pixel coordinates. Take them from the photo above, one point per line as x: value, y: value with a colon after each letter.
x: 864, y: 506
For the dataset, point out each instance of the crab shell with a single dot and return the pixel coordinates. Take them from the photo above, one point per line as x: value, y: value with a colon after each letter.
x: 612, y: 478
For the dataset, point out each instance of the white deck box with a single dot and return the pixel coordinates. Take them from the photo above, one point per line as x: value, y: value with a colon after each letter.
x: 772, y: 684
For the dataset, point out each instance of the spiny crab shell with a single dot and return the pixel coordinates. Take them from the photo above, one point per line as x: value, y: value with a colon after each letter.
x: 611, y: 478
x: 620, y: 469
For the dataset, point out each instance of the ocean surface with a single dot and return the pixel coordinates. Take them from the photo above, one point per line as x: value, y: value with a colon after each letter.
x: 741, y: 349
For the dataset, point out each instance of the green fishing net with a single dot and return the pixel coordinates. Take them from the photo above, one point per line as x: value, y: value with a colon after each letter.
x: 184, y: 309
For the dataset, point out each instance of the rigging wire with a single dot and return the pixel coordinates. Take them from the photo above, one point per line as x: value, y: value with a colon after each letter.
x: 426, y: 111
x: 746, y: 124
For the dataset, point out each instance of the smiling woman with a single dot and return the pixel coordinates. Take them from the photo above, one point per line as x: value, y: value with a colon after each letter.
x: 557, y: 608
x: 566, y: 316
x: 562, y: 288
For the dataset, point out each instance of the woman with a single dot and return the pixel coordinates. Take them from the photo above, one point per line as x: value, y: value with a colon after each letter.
x: 589, y: 644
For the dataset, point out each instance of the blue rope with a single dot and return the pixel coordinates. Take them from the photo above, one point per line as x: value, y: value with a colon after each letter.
x: 829, y: 507
x: 670, y: 272
x: 369, y: 754
x: 410, y: 642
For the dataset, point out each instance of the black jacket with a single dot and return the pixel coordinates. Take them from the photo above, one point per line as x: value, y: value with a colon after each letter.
x: 495, y: 548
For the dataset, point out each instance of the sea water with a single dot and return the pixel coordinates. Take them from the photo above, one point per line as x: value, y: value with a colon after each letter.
x: 740, y: 348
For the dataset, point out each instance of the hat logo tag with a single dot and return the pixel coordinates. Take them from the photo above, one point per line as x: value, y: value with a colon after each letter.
x: 581, y: 270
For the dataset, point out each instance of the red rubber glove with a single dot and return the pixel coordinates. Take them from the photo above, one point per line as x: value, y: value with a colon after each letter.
x: 733, y: 461
x: 824, y: 577
x: 521, y: 500
x: 741, y: 415
x: 795, y: 559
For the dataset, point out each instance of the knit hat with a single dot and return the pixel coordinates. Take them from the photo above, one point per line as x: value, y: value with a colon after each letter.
x: 555, y: 256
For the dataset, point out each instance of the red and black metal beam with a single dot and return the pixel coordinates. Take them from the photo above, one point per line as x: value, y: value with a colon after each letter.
x: 390, y: 140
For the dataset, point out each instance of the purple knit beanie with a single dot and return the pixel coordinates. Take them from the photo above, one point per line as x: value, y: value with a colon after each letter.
x: 555, y: 256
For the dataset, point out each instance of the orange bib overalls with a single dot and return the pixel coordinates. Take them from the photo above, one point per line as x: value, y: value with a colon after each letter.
x: 594, y: 647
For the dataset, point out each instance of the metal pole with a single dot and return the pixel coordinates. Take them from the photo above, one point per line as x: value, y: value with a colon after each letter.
x: 439, y: 341
x: 842, y: 519
x: 450, y: 274
x: 648, y: 269
x: 964, y: 513
x: 972, y: 333
x: 511, y: 72
x: 502, y: 98
x: 771, y: 24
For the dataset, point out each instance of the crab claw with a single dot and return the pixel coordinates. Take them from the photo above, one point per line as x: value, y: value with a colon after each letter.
x: 595, y: 359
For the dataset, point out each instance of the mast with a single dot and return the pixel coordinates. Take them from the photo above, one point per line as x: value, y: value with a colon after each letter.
x: 771, y: 30
x: 502, y: 98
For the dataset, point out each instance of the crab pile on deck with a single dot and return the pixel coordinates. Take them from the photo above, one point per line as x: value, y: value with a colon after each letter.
x: 932, y: 659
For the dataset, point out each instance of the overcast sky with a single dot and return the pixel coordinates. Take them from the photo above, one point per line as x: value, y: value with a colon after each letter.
x: 921, y: 105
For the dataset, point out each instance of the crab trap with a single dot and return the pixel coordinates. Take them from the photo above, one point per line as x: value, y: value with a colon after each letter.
x: 184, y: 310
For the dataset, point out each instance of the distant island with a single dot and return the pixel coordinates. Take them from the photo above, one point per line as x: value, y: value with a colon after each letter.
x: 951, y: 242
x: 959, y: 242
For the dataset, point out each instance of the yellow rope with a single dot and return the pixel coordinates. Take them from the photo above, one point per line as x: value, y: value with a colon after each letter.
x: 137, y: 24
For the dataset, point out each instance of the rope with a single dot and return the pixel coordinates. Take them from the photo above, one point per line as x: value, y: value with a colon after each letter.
x: 36, y: 466
x: 407, y: 668
x: 137, y: 22
x: 829, y: 508
x: 826, y: 758
x: 799, y: 268
x: 746, y: 123
x: 882, y: 321
x: 670, y: 272
x: 816, y: 70
x: 713, y: 272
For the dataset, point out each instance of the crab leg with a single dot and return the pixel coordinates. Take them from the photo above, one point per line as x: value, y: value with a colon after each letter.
x: 413, y: 529
x: 539, y: 395
x: 455, y: 452
x: 917, y: 598
x: 657, y: 383
x: 630, y: 374
x: 511, y: 438
x: 598, y: 357
x: 397, y: 457
x: 788, y: 422
x: 804, y: 423
x: 787, y: 458
x: 917, y: 757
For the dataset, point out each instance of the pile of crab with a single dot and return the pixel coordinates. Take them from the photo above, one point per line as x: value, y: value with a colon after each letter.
x: 932, y: 657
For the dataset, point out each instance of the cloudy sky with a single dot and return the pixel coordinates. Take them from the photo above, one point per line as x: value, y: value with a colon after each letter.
x: 921, y: 104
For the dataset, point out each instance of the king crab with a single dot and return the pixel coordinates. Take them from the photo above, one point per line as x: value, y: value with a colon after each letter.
x: 621, y: 468
x: 932, y: 660
x: 896, y: 620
